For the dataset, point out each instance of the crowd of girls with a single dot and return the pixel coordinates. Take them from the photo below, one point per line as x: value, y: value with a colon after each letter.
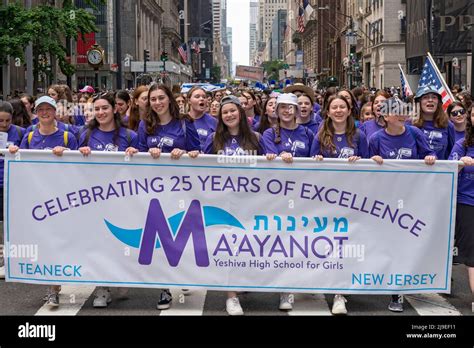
x: 296, y: 122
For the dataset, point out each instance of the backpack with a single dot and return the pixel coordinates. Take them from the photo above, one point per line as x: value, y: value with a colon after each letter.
x: 30, y: 136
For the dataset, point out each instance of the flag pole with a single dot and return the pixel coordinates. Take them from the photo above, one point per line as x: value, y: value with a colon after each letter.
x: 440, y: 76
x: 405, y: 78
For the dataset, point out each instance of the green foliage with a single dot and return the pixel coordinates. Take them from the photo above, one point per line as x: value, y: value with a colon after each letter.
x: 216, y: 74
x: 47, y: 27
x: 272, y: 68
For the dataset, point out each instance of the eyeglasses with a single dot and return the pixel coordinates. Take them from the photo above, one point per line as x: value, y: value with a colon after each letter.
x: 459, y: 112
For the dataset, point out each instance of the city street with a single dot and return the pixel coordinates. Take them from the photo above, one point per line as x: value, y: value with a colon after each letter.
x: 25, y: 299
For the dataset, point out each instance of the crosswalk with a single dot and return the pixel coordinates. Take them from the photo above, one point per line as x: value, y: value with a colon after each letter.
x: 77, y: 299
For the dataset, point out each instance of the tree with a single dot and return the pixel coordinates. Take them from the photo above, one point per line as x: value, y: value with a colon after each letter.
x: 47, y: 27
x: 272, y: 69
x: 216, y: 74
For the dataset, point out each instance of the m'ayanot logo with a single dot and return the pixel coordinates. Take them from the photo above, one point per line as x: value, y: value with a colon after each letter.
x: 173, y: 234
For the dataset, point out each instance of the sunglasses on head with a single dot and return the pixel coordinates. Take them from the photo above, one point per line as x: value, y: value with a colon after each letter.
x: 458, y: 112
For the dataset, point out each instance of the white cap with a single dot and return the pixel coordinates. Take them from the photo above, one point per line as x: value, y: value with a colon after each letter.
x: 47, y: 100
x: 287, y: 98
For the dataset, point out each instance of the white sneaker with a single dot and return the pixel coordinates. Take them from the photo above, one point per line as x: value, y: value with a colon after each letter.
x: 2, y: 272
x: 102, y: 298
x: 286, y: 301
x: 339, y: 305
x: 233, y: 307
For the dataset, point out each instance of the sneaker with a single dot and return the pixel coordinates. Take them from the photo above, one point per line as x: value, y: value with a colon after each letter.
x: 102, y: 298
x: 396, y: 304
x: 165, y: 300
x: 286, y: 301
x: 233, y: 307
x: 2, y: 272
x: 52, y: 299
x: 339, y: 305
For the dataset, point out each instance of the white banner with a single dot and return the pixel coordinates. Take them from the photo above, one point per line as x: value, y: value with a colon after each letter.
x: 327, y: 227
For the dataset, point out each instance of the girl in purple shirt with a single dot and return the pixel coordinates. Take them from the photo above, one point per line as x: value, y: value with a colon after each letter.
x: 307, y: 118
x: 372, y: 126
x: 47, y: 136
x: 205, y: 124
x: 458, y: 114
x: 463, y: 151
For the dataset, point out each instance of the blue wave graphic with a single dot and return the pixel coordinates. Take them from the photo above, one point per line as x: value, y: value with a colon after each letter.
x: 213, y: 216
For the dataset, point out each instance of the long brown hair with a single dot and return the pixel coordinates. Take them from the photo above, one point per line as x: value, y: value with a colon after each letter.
x: 264, y: 118
x: 256, y: 107
x: 440, y: 118
x: 248, y: 139
x: 190, y: 93
x: 469, y: 137
x: 93, y: 124
x: 134, y: 118
x: 326, y: 133
x: 152, y: 121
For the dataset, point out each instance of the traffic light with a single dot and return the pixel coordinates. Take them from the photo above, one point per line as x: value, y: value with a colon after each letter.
x: 164, y: 56
x: 146, y: 55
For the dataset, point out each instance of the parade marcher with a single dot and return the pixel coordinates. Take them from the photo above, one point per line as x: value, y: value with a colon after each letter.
x: 165, y: 131
x: 29, y: 103
x: 214, y: 110
x: 372, y: 126
x: 307, y: 118
x: 338, y: 137
x: 218, y: 95
x: 233, y: 137
x: 463, y: 151
x: 182, y: 103
x: 366, y: 113
x: 14, y: 136
x: 252, y: 110
x: 434, y: 122
x: 46, y: 137
x: 139, y: 107
x: 204, y: 123
x: 87, y: 91
x: 268, y: 119
x: 349, y: 96
x: 20, y: 114
x: 123, y: 103
x: 106, y: 133
x: 457, y: 113
x: 287, y: 139
x: 57, y: 93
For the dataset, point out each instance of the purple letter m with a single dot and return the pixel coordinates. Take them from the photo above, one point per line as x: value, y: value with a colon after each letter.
x: 157, y: 224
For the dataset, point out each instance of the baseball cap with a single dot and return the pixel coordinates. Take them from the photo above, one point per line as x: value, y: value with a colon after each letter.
x: 424, y: 90
x: 46, y: 99
x: 287, y: 98
x: 87, y: 89
x: 230, y: 99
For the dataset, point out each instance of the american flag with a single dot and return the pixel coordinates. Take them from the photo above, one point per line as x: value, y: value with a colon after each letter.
x: 431, y: 77
x: 183, y: 52
x: 406, y: 89
x: 195, y: 47
x: 300, y: 20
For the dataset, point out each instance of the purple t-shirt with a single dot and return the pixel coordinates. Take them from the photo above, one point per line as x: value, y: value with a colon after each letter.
x: 459, y: 135
x: 104, y: 141
x: 205, y: 126
x: 297, y: 141
x: 440, y: 140
x: 62, y: 126
x: 316, y: 108
x: 409, y: 145
x: 343, y: 149
x: 48, y: 142
x: 169, y: 137
x: 15, y: 134
x: 369, y: 128
x: 312, y: 125
x: 231, y: 146
x: 466, y: 175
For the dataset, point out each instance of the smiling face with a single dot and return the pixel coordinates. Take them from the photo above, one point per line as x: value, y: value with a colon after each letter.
x: 305, y: 105
x: 458, y: 115
x: 5, y: 121
x: 103, y: 112
x: 198, y: 101
x: 429, y: 103
x: 338, y: 112
x: 230, y: 115
x: 159, y: 102
x: 366, y: 114
x: 286, y: 112
x: 395, y: 120
x: 46, y: 114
